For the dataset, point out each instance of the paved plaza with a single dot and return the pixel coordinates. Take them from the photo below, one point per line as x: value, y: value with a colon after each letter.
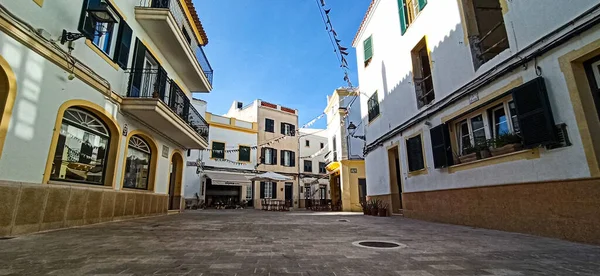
x: 253, y: 242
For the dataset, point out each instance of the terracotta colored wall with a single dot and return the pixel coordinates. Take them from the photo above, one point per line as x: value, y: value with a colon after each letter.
x: 28, y: 208
x: 561, y: 209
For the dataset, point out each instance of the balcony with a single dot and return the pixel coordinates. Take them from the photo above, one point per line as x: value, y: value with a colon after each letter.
x: 154, y: 98
x: 166, y: 23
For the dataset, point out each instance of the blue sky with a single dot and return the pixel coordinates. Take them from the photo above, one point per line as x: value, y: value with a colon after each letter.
x: 277, y: 51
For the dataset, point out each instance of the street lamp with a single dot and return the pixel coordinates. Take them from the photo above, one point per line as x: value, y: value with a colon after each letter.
x: 101, y: 13
x: 351, y: 126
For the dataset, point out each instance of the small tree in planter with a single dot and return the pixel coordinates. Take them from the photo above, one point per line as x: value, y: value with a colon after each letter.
x: 505, y: 143
x: 365, y: 207
x: 374, y: 207
x: 382, y: 211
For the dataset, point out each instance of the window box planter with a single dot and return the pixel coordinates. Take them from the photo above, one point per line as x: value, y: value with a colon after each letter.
x: 506, y: 149
x: 465, y: 158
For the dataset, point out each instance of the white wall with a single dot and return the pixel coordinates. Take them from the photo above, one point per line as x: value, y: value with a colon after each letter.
x: 389, y: 73
x: 232, y: 139
x: 315, y: 138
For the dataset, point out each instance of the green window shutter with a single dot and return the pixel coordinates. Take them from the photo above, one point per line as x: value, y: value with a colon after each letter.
x: 368, y: 48
x: 402, y: 16
x: 422, y: 4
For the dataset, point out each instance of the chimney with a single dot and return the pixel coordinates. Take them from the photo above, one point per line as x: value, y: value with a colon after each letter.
x: 239, y: 105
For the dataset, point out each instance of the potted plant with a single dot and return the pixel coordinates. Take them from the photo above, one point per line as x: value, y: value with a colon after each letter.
x: 469, y: 154
x: 365, y: 207
x: 483, y: 150
x: 382, y: 211
x: 505, y: 143
x: 374, y: 207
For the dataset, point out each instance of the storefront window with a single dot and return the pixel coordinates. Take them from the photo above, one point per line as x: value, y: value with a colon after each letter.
x: 81, y: 149
x: 137, y: 167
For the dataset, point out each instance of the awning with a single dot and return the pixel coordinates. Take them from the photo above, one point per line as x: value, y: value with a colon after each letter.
x: 333, y: 167
x: 228, y: 179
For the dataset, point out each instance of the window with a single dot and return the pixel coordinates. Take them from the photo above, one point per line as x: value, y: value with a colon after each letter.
x: 472, y: 130
x: 368, y: 50
x: 82, y: 148
x: 308, y: 166
x: 307, y: 194
x: 414, y: 151
x: 269, y: 156
x: 288, y: 158
x: 248, y: 192
x: 422, y: 74
x: 307, y: 143
x: 218, y: 150
x: 373, y: 107
x: 323, y: 192
x: 113, y: 39
x: 322, y: 145
x: 322, y: 168
x: 268, y: 190
x: 244, y: 153
x: 486, y: 29
x: 137, y: 167
x: 189, y: 152
x: 334, y: 149
x: 408, y: 10
x: 288, y: 129
x: 269, y: 125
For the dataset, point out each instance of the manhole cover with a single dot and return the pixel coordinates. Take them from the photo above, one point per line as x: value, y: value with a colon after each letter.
x: 6, y: 238
x: 379, y: 244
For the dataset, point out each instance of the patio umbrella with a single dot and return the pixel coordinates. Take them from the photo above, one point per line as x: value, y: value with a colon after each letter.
x: 270, y: 176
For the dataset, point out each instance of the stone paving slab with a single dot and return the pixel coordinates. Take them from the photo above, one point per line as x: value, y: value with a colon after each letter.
x: 254, y: 242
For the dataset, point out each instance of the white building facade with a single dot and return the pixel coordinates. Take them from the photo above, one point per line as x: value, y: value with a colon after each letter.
x: 312, y: 163
x: 483, y: 110
x: 221, y: 176
x: 95, y: 109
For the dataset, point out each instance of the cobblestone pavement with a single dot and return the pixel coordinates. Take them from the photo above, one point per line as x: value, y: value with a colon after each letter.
x: 253, y: 242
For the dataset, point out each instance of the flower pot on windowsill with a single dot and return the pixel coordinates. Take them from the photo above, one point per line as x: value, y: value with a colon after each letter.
x: 506, y: 149
x: 466, y: 158
x: 483, y: 154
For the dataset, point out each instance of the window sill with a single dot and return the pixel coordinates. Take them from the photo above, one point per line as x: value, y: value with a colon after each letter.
x: 419, y: 172
x: 82, y: 185
x: 374, y: 119
x: 513, y: 156
x: 103, y: 55
x: 137, y: 190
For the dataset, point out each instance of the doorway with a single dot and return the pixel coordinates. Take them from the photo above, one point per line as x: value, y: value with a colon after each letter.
x: 362, y: 189
x: 592, y: 70
x: 395, y: 179
x: 175, y: 181
x: 289, y: 194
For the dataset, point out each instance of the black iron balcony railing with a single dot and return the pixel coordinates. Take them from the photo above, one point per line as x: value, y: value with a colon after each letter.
x: 154, y: 83
x: 182, y: 23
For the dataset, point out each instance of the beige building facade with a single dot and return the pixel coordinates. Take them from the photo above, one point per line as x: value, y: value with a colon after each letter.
x: 277, y: 148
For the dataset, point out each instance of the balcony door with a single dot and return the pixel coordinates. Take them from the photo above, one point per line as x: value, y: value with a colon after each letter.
x: 150, y: 76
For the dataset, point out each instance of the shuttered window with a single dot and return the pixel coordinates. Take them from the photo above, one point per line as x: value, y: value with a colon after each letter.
x: 414, y: 151
x: 308, y: 166
x: 288, y: 158
x: 408, y: 10
x: 244, y: 153
x: 373, y: 106
x: 288, y: 129
x: 269, y: 125
x: 123, y: 45
x: 534, y: 114
x: 368, y: 49
x: 441, y: 146
x: 268, y: 190
x: 218, y: 150
x: 268, y: 156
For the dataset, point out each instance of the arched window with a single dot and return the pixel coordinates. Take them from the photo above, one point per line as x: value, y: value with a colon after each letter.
x: 82, y: 148
x: 137, y: 168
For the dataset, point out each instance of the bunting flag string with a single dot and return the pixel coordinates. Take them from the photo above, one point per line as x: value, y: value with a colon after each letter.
x: 313, y: 121
x: 230, y: 161
x: 321, y: 151
x: 337, y: 47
